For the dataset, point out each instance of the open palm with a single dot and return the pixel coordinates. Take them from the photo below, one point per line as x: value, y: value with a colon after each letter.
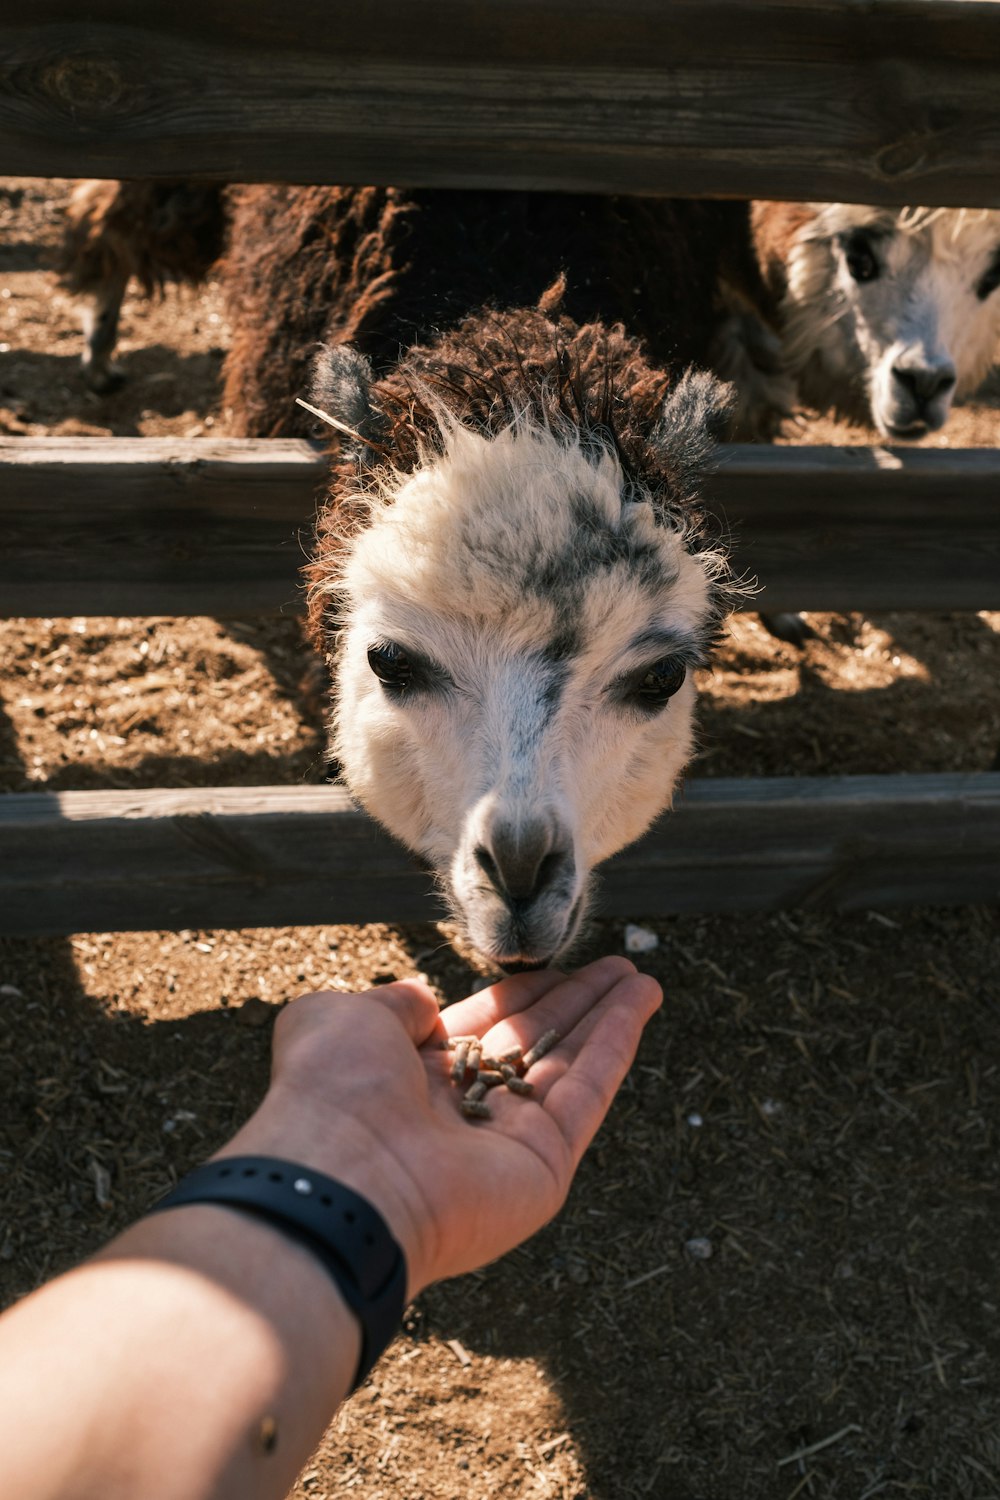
x: 459, y: 1192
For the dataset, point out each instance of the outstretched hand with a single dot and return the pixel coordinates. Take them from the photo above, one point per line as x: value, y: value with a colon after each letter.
x: 361, y: 1089
x: 240, y: 1329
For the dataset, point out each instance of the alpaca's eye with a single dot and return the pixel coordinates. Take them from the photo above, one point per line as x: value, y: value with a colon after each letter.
x: 651, y: 688
x: 990, y: 281
x: 860, y: 257
x: 391, y: 666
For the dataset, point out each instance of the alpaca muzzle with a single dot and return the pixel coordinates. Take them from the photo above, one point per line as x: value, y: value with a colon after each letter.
x: 517, y: 889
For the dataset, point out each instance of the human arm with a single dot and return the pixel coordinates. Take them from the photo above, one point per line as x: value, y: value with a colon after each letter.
x: 202, y: 1352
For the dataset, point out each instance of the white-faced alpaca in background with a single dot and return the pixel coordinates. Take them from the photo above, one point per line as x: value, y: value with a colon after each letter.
x: 512, y: 586
x: 885, y: 316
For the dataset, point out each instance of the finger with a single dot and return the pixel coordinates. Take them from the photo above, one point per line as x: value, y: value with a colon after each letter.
x: 630, y: 1003
x: 413, y: 1003
x: 577, y: 1083
x: 562, y: 1006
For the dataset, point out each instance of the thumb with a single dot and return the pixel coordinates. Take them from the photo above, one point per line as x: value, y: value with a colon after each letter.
x: 414, y: 1005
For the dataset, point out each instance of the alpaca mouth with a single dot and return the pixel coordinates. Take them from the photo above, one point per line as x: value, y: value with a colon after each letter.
x: 519, y: 955
x: 908, y: 432
x: 523, y: 956
x: 523, y: 965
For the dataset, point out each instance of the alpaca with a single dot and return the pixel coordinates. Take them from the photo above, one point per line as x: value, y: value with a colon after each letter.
x: 512, y: 583
x: 883, y: 316
x: 512, y: 578
x: 667, y: 257
x: 154, y: 231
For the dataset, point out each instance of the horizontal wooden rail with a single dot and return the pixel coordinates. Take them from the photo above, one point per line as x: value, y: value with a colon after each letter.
x: 889, y: 102
x: 270, y: 856
x: 154, y: 525
x: 220, y: 527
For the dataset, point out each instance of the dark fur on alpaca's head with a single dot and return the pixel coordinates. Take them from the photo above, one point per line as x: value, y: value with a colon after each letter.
x: 498, y: 368
x: 589, y: 383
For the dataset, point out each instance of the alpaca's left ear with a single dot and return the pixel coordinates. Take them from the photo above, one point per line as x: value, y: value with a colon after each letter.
x: 696, y: 415
x: 340, y: 385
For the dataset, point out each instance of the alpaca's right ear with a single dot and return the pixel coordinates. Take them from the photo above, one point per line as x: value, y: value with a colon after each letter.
x: 340, y: 385
x: 696, y: 413
x: 693, y: 420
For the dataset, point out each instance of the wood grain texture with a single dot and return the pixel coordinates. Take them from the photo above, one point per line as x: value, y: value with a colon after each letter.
x: 829, y: 528
x: 154, y: 525
x: 881, y: 101
x: 271, y: 856
x: 172, y: 527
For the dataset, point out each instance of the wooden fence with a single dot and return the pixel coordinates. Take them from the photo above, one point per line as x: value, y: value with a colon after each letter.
x: 872, y: 101
x: 837, y: 99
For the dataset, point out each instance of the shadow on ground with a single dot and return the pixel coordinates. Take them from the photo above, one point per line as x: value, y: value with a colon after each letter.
x: 50, y: 389
x: 782, y: 1240
x: 796, y: 717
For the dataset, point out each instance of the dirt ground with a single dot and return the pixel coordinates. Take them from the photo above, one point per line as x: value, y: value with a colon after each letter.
x: 777, y: 1273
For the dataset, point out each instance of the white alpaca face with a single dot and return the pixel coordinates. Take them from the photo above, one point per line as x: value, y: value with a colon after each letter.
x: 514, y: 698
x: 890, y: 315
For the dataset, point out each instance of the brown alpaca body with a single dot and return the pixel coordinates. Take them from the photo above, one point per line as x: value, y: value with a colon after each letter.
x: 759, y: 293
x: 153, y: 231
x: 384, y: 268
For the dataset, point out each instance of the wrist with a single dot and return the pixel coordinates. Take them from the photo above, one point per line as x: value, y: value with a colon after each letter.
x: 348, y: 1150
x: 339, y: 1228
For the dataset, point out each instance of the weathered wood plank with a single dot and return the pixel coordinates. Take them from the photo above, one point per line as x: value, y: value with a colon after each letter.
x: 895, y: 102
x: 154, y: 525
x: 864, y: 528
x: 264, y: 856
x: 167, y: 526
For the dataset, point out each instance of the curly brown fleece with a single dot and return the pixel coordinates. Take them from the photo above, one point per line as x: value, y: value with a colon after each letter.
x: 154, y: 231
x: 590, y: 382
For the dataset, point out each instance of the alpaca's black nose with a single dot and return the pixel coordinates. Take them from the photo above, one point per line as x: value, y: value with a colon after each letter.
x: 924, y: 382
x: 523, y: 861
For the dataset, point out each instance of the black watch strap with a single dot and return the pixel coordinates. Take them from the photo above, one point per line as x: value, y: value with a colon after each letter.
x: 340, y: 1227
